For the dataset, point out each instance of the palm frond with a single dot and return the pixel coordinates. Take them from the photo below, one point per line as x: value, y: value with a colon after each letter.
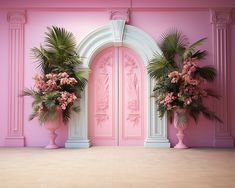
x: 210, y: 115
x: 188, y: 53
x: 211, y: 93
x: 207, y: 72
x: 66, y: 115
x: 199, y: 54
x: 173, y: 42
x: 76, y: 108
x: 82, y: 78
x: 159, y: 66
x: 33, y: 115
x: 42, y: 58
x: 28, y: 92
x: 60, y: 42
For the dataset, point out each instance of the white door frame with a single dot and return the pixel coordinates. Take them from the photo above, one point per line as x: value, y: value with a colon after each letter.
x: 117, y: 33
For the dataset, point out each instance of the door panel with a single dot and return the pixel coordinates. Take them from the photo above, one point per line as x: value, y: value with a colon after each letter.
x: 102, y: 99
x: 131, y: 98
x: 116, y: 98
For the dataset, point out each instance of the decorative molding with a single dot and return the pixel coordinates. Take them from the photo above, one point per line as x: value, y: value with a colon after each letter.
x: 145, y: 47
x: 17, y: 17
x: 220, y: 20
x: 121, y: 14
x: 86, y: 5
x: 15, y: 135
x: 118, y: 30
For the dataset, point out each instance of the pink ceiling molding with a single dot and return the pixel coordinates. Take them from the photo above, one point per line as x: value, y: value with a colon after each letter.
x: 104, y: 4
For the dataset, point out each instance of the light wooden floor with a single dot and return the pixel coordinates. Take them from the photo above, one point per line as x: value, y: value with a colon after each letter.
x: 117, y: 167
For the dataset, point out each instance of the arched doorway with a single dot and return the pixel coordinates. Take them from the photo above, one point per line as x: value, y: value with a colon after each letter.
x: 118, y: 34
x: 117, y: 96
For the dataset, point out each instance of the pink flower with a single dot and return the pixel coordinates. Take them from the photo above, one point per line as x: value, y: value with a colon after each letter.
x: 64, y: 75
x: 188, y: 101
x: 74, y: 97
x: 72, y: 80
x: 193, y: 82
x: 65, y: 99
x: 193, y: 69
x: 63, y: 107
x: 169, y: 98
x: 63, y: 81
x: 51, y: 76
x: 175, y: 76
x: 37, y: 77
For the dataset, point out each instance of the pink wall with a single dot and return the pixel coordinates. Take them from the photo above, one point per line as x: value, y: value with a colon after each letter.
x: 232, y: 76
x: 3, y: 75
x: 82, y: 18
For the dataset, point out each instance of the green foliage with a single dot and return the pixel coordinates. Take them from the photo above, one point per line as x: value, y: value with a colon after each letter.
x: 207, y: 72
x: 186, y: 91
x: 58, y: 55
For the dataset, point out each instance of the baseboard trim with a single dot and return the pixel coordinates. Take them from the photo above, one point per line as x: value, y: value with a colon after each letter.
x: 224, y: 142
x: 15, y: 141
x: 77, y: 144
x: 155, y: 143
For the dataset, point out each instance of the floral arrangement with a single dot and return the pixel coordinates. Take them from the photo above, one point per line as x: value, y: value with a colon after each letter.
x: 180, y: 83
x: 58, y: 87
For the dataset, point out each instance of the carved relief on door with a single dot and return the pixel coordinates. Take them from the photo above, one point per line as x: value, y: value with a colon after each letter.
x: 131, y: 98
x: 116, y: 98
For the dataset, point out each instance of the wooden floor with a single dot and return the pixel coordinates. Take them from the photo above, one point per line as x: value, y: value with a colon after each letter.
x: 117, y: 167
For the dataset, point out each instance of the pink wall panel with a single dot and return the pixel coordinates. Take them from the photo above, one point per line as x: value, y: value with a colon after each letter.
x: 3, y: 75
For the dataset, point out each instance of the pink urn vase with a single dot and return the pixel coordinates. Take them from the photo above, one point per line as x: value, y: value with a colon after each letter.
x: 180, y: 123
x: 52, y: 126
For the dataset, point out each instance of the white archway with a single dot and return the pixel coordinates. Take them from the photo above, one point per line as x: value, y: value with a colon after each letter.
x: 116, y: 33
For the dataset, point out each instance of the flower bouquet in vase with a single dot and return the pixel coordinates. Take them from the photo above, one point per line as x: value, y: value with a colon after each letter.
x: 180, y: 83
x: 57, y: 87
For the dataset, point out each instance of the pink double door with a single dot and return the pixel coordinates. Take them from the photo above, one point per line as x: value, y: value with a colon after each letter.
x: 117, y: 98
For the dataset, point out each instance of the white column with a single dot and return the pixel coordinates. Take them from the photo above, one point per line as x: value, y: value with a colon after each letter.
x: 157, y: 128
x: 15, y: 135
x: 220, y: 20
x: 78, y: 129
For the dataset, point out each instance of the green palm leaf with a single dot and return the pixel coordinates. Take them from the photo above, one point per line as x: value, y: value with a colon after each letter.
x: 172, y: 43
x: 157, y: 67
x: 207, y: 72
x: 82, y: 78
x: 199, y: 54
x: 188, y: 53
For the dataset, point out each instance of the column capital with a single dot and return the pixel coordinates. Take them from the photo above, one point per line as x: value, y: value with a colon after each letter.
x: 16, y: 17
x: 221, y: 17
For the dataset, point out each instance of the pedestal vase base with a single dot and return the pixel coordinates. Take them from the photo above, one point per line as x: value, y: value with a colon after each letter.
x: 51, y: 147
x: 181, y: 146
